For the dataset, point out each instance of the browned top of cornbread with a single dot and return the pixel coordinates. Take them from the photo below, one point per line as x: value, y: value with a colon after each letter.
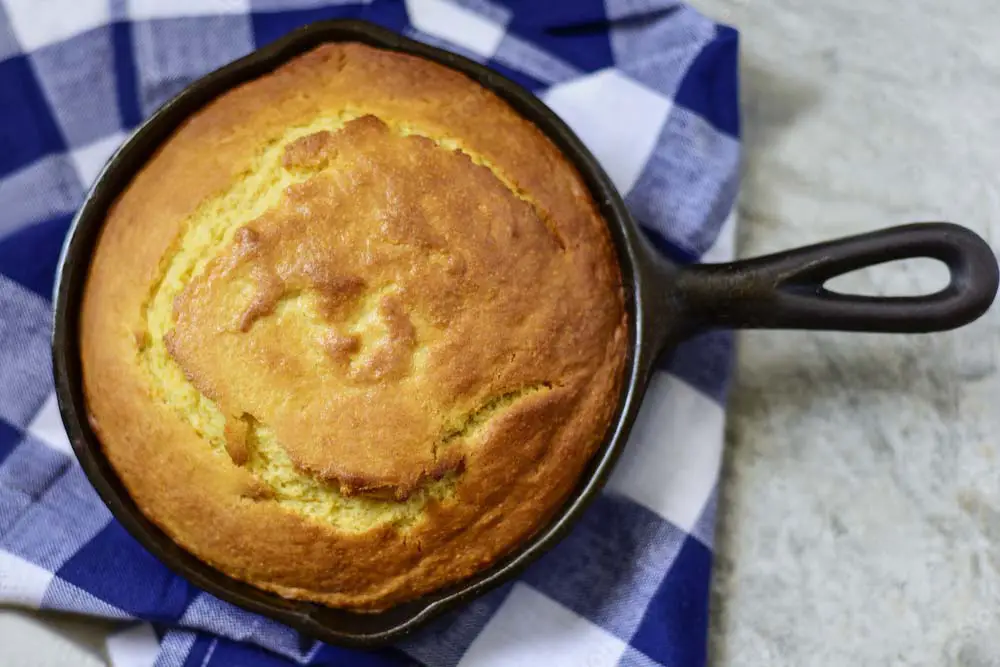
x: 354, y: 331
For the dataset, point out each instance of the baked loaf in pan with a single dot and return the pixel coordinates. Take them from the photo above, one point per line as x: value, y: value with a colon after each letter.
x: 353, y: 333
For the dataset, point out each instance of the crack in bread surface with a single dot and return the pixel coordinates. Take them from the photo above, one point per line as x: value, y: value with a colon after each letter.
x: 470, y: 422
x: 204, y: 237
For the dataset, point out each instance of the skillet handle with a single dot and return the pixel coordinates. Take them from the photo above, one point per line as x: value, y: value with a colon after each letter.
x: 786, y: 290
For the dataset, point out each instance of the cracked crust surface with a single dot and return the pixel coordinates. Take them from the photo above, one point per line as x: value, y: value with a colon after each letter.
x: 354, y: 331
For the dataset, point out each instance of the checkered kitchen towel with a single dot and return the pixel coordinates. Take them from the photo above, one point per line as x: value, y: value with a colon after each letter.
x: 650, y: 86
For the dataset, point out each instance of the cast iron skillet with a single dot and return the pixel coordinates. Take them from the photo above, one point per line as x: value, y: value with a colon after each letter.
x: 666, y: 303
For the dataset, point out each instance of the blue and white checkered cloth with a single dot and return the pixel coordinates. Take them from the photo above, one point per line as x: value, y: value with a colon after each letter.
x: 651, y: 88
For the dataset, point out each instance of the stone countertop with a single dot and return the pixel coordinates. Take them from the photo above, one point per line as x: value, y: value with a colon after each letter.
x: 859, y: 518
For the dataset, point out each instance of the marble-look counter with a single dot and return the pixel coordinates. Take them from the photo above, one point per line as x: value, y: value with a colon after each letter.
x: 860, y: 508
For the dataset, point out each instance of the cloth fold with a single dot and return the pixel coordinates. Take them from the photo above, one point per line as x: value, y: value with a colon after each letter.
x: 651, y: 88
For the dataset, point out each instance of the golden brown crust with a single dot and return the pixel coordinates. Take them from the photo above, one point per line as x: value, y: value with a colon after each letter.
x: 433, y: 295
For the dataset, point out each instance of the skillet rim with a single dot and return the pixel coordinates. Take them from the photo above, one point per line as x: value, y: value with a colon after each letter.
x: 639, y: 265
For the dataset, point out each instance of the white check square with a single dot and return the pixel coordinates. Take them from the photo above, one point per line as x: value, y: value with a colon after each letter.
x: 456, y: 24
x: 617, y: 118
x: 671, y: 462
x: 532, y: 629
x: 21, y: 582
x: 48, y: 427
x: 36, y: 26
x: 158, y: 9
x: 90, y: 159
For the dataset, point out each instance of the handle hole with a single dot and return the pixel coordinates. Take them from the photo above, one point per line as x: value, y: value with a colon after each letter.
x: 904, y: 277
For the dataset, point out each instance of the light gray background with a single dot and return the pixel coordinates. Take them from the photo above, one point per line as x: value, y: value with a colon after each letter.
x: 860, y: 509
x: 861, y: 501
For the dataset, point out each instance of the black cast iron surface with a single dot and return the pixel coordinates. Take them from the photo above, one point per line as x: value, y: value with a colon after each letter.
x: 665, y: 304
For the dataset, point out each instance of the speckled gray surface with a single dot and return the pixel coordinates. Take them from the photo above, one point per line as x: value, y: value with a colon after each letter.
x: 860, y: 510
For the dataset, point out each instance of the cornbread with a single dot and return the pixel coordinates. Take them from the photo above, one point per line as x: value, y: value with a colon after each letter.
x: 354, y: 331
